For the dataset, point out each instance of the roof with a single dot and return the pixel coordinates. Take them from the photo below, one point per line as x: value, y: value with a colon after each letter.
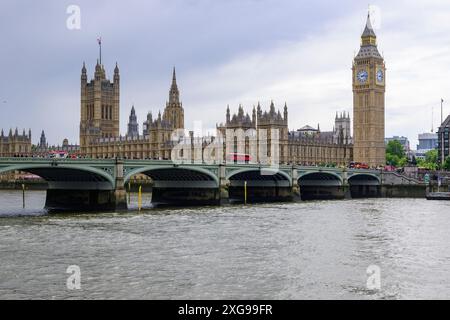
x: 368, y: 30
x: 307, y: 128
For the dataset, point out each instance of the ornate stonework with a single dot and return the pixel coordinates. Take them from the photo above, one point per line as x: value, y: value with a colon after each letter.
x: 369, y: 79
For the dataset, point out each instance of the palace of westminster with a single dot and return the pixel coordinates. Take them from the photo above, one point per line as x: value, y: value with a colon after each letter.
x: 100, y: 109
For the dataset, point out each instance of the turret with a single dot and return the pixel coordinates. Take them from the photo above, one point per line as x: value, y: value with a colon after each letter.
x: 98, y: 71
x: 116, y: 74
x: 83, y: 74
x: 285, y: 112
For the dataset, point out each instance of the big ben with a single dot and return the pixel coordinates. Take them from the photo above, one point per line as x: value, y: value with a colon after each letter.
x: 369, y: 86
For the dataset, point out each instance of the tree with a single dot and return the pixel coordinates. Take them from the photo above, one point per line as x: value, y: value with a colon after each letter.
x: 395, y: 154
x: 431, y: 160
x: 432, y: 156
x: 394, y: 147
x: 447, y: 163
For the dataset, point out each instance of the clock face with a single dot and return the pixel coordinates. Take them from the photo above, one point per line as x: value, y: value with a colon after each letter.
x: 362, y: 76
x: 380, y: 75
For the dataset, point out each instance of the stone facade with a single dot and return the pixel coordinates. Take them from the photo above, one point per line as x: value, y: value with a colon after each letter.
x: 100, y: 107
x: 306, y: 146
x: 42, y: 149
x: 369, y: 101
x: 15, y: 144
x: 155, y: 140
x: 100, y: 138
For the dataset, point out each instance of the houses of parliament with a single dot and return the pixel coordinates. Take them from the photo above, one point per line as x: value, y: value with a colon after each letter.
x: 100, y: 110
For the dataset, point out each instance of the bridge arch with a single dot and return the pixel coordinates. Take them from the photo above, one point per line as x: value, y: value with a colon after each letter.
x: 320, y: 178
x: 364, y: 179
x: 66, y: 173
x: 277, y: 177
x: 176, y: 174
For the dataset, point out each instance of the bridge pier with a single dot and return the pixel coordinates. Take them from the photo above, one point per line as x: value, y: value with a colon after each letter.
x: 224, y: 185
x: 120, y: 194
x: 295, y: 190
x: 80, y: 200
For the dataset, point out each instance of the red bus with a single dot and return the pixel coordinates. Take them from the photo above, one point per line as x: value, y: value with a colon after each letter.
x: 239, y: 157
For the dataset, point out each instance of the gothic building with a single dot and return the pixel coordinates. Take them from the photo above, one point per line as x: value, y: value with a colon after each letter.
x: 100, y: 107
x: 43, y: 148
x: 100, y: 137
x: 133, y: 126
x: 273, y: 123
x: 15, y: 144
x: 155, y: 140
x: 369, y: 75
x: 306, y: 146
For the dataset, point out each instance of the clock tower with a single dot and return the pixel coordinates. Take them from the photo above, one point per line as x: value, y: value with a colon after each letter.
x: 369, y: 81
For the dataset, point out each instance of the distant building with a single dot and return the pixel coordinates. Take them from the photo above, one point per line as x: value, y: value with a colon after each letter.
x: 42, y: 149
x: 403, y: 141
x: 427, y: 141
x: 15, y: 144
x: 133, y: 126
x: 443, y: 145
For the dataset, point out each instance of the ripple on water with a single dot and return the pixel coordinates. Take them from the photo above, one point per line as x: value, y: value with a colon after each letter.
x: 305, y: 250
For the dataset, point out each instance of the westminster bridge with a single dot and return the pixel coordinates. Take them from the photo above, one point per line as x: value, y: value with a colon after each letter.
x: 99, y: 184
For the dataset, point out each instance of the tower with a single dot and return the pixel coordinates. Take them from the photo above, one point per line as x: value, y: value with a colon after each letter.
x: 369, y: 101
x: 99, y: 106
x: 43, y: 141
x: 341, y: 132
x: 174, y: 113
x: 133, y: 126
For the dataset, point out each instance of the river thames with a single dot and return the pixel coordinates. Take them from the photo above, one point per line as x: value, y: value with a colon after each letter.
x: 307, y: 250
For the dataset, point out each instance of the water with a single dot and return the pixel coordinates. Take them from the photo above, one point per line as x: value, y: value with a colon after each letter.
x: 311, y: 250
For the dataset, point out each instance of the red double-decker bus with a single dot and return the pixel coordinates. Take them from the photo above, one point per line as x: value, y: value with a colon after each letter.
x: 239, y: 157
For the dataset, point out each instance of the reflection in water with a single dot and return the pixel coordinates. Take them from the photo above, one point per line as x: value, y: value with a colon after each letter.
x: 279, y: 251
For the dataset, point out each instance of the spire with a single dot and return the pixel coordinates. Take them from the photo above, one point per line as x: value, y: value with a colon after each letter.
x: 116, y: 69
x: 369, y: 37
x: 133, y: 127
x: 285, y: 112
x: 368, y: 30
x: 174, y: 94
x: 368, y: 42
x: 272, y: 108
x: 83, y: 70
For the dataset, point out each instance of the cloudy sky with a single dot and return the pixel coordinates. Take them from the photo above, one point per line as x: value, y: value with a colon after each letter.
x: 225, y: 52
